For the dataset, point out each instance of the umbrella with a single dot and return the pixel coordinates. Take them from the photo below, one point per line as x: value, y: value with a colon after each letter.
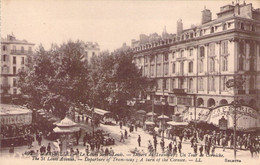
x: 149, y: 123
x: 141, y: 111
x: 174, y: 123
x: 151, y: 114
x: 163, y: 117
x: 66, y: 129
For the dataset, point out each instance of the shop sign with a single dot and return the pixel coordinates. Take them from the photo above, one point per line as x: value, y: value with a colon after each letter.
x: 222, y: 123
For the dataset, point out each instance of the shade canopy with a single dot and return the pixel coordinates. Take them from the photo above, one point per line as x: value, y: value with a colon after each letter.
x: 151, y: 114
x: 66, y: 122
x: 149, y: 123
x: 66, y: 129
x: 141, y: 111
x: 174, y: 123
x: 163, y: 117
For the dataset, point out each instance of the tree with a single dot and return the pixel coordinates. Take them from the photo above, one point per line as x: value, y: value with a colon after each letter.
x: 115, y: 79
x: 57, y: 79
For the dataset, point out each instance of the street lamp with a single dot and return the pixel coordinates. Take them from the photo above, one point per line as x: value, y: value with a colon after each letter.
x: 236, y: 83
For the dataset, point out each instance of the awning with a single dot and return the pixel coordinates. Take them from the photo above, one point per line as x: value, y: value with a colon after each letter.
x: 247, y: 117
x: 66, y: 130
x: 141, y: 111
x: 163, y: 117
x: 151, y: 114
x: 149, y: 123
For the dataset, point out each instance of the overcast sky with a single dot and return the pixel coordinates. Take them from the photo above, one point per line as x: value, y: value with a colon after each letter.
x: 110, y: 23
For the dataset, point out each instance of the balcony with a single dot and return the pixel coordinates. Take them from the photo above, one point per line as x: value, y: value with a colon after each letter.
x: 20, y: 52
x: 5, y: 86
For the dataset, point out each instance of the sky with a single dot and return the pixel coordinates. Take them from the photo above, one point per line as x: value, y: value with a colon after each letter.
x: 109, y: 23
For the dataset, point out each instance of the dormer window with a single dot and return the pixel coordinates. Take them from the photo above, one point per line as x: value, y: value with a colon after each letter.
x: 191, y: 35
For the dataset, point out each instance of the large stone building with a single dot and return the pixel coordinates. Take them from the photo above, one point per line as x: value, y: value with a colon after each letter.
x: 193, y: 65
x: 13, y: 59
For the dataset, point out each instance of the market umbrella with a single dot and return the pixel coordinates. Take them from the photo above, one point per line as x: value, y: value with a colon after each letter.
x: 174, y: 123
x: 151, y: 114
x: 141, y: 111
x: 163, y: 117
x: 149, y: 123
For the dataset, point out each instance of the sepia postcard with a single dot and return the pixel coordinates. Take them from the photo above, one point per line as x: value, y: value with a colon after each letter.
x: 130, y: 82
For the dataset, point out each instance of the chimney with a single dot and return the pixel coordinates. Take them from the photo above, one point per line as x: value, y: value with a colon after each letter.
x: 179, y: 27
x: 206, y: 16
x: 237, y: 9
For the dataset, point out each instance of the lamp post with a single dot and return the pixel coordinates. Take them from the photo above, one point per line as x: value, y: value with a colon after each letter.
x: 236, y: 83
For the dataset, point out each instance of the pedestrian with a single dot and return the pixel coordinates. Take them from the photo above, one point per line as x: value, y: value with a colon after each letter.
x: 195, y: 148
x: 201, y: 150
x: 11, y: 150
x: 175, y: 150
x: 162, y: 144
x: 224, y: 143
x: 213, y: 149
x: 155, y: 143
x: 111, y: 152
x: 87, y: 150
x: 121, y: 137
x: 170, y: 147
x: 120, y: 124
x: 179, y: 147
x: 106, y: 152
x: 139, y: 140
x: 125, y: 134
x: 71, y: 152
x: 49, y: 148
x: 77, y: 151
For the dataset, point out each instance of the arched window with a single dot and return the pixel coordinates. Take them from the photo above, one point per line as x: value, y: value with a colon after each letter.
x: 252, y: 103
x: 190, y: 67
x: 173, y: 83
x: 211, y: 102
x: 201, y: 32
x: 252, y: 28
x: 173, y: 67
x: 223, y: 102
x: 200, y: 102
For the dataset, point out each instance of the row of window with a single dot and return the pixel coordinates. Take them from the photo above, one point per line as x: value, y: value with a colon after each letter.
x: 6, y: 58
x: 4, y: 48
x: 166, y: 84
x: 5, y: 69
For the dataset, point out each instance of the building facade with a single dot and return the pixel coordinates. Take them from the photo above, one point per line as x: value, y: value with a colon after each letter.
x: 91, y: 49
x: 192, y: 66
x: 14, y: 55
